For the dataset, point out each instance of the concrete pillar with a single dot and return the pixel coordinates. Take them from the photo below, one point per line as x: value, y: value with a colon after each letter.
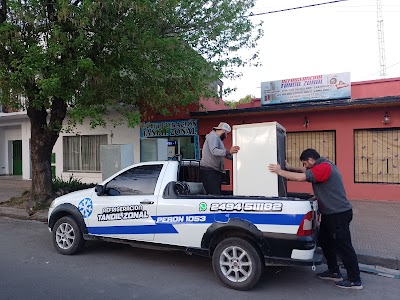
x: 3, y: 157
x: 26, y: 149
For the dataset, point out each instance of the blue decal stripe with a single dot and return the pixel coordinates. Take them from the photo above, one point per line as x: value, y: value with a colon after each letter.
x: 139, y: 229
x: 270, y: 219
x: 167, y: 227
x: 255, y: 218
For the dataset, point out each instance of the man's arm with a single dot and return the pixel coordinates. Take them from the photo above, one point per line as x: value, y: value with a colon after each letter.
x: 213, y: 144
x: 228, y: 155
x: 295, y: 169
x: 230, y: 152
x: 294, y: 176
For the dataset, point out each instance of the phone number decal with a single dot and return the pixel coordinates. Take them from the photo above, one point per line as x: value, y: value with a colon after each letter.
x: 251, y: 206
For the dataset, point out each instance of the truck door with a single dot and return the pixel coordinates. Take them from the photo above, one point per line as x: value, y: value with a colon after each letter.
x: 125, y: 210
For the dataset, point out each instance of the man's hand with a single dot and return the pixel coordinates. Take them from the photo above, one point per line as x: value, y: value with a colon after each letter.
x: 234, y: 149
x: 274, y: 168
x: 287, y: 167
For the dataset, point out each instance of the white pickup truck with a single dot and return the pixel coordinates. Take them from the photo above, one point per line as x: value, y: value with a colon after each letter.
x: 145, y: 205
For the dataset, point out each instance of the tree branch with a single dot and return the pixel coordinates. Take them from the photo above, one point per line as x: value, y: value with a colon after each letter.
x: 3, y: 11
x: 58, y: 111
x: 57, y: 115
x: 51, y: 11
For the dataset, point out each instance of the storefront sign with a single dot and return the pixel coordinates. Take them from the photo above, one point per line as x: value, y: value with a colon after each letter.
x: 169, y: 128
x: 172, y: 143
x: 310, y: 88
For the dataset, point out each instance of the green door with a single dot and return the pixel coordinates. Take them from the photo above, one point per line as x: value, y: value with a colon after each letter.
x: 17, y: 157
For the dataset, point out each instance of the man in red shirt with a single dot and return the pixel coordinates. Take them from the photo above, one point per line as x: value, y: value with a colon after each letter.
x: 334, y: 233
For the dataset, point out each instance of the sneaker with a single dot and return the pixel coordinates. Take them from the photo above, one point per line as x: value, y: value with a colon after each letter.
x: 328, y: 275
x: 346, y: 284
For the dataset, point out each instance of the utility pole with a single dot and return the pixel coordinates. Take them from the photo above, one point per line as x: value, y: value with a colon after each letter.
x: 381, y: 39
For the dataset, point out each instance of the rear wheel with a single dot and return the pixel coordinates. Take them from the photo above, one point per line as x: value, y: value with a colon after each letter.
x: 237, y: 263
x: 67, y: 236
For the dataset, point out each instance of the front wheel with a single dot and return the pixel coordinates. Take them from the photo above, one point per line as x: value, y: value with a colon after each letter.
x: 67, y: 236
x: 237, y: 263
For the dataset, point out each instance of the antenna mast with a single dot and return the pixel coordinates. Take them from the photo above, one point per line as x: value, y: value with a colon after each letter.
x: 381, y: 39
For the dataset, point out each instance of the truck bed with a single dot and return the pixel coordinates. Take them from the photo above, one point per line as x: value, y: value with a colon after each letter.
x: 195, y: 190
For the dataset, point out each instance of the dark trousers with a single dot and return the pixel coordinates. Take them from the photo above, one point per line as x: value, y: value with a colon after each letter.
x: 211, y: 180
x: 335, y: 240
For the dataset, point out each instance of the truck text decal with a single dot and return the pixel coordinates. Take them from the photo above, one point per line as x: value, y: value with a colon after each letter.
x: 247, y: 206
x: 181, y: 219
x: 127, y: 212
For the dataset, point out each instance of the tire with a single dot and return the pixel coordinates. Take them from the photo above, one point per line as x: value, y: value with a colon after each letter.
x: 67, y: 236
x: 237, y: 263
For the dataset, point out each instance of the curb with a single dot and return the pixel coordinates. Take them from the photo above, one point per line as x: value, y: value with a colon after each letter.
x: 373, y: 264
x: 368, y: 263
x: 380, y: 271
x: 20, y: 213
x: 376, y: 261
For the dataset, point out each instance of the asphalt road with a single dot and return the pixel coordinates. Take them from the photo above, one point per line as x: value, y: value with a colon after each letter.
x: 30, y: 268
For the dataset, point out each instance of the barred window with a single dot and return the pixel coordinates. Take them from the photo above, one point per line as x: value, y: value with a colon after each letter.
x: 376, y: 155
x: 82, y: 153
x: 322, y: 141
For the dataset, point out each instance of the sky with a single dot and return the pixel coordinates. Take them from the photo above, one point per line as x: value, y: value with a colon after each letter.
x: 333, y: 38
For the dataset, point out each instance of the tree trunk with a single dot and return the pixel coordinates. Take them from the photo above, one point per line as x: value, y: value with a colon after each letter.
x: 41, y: 168
x: 44, y: 134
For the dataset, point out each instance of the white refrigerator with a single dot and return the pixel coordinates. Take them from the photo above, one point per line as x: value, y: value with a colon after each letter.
x: 260, y: 144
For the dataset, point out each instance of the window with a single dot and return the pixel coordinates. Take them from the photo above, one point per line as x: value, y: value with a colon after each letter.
x: 376, y: 155
x: 82, y: 153
x: 140, y: 180
x: 184, y: 145
x: 322, y: 141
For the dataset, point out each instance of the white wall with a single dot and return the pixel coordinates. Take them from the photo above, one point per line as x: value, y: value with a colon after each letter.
x: 11, y: 134
x: 26, y: 150
x: 13, y: 128
x: 9, y: 167
x: 115, y: 135
x: 3, y: 157
x: 21, y: 130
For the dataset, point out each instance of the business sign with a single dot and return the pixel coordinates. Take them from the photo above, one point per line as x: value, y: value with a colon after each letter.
x: 310, y: 88
x: 169, y: 128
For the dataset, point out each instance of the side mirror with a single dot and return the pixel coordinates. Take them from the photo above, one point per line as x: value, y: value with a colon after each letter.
x: 99, y: 189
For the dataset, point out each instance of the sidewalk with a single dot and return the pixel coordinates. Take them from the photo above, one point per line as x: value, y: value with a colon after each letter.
x: 375, y: 231
x: 12, y: 186
x: 375, y: 227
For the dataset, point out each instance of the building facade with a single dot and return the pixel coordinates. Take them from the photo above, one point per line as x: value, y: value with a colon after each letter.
x: 74, y: 154
x: 360, y: 135
x: 77, y: 153
x: 14, y: 144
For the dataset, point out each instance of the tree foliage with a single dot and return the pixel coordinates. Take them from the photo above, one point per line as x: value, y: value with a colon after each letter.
x: 82, y: 57
x: 246, y: 99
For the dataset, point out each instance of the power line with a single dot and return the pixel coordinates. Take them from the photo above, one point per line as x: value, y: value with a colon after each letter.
x: 395, y: 64
x: 294, y: 8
